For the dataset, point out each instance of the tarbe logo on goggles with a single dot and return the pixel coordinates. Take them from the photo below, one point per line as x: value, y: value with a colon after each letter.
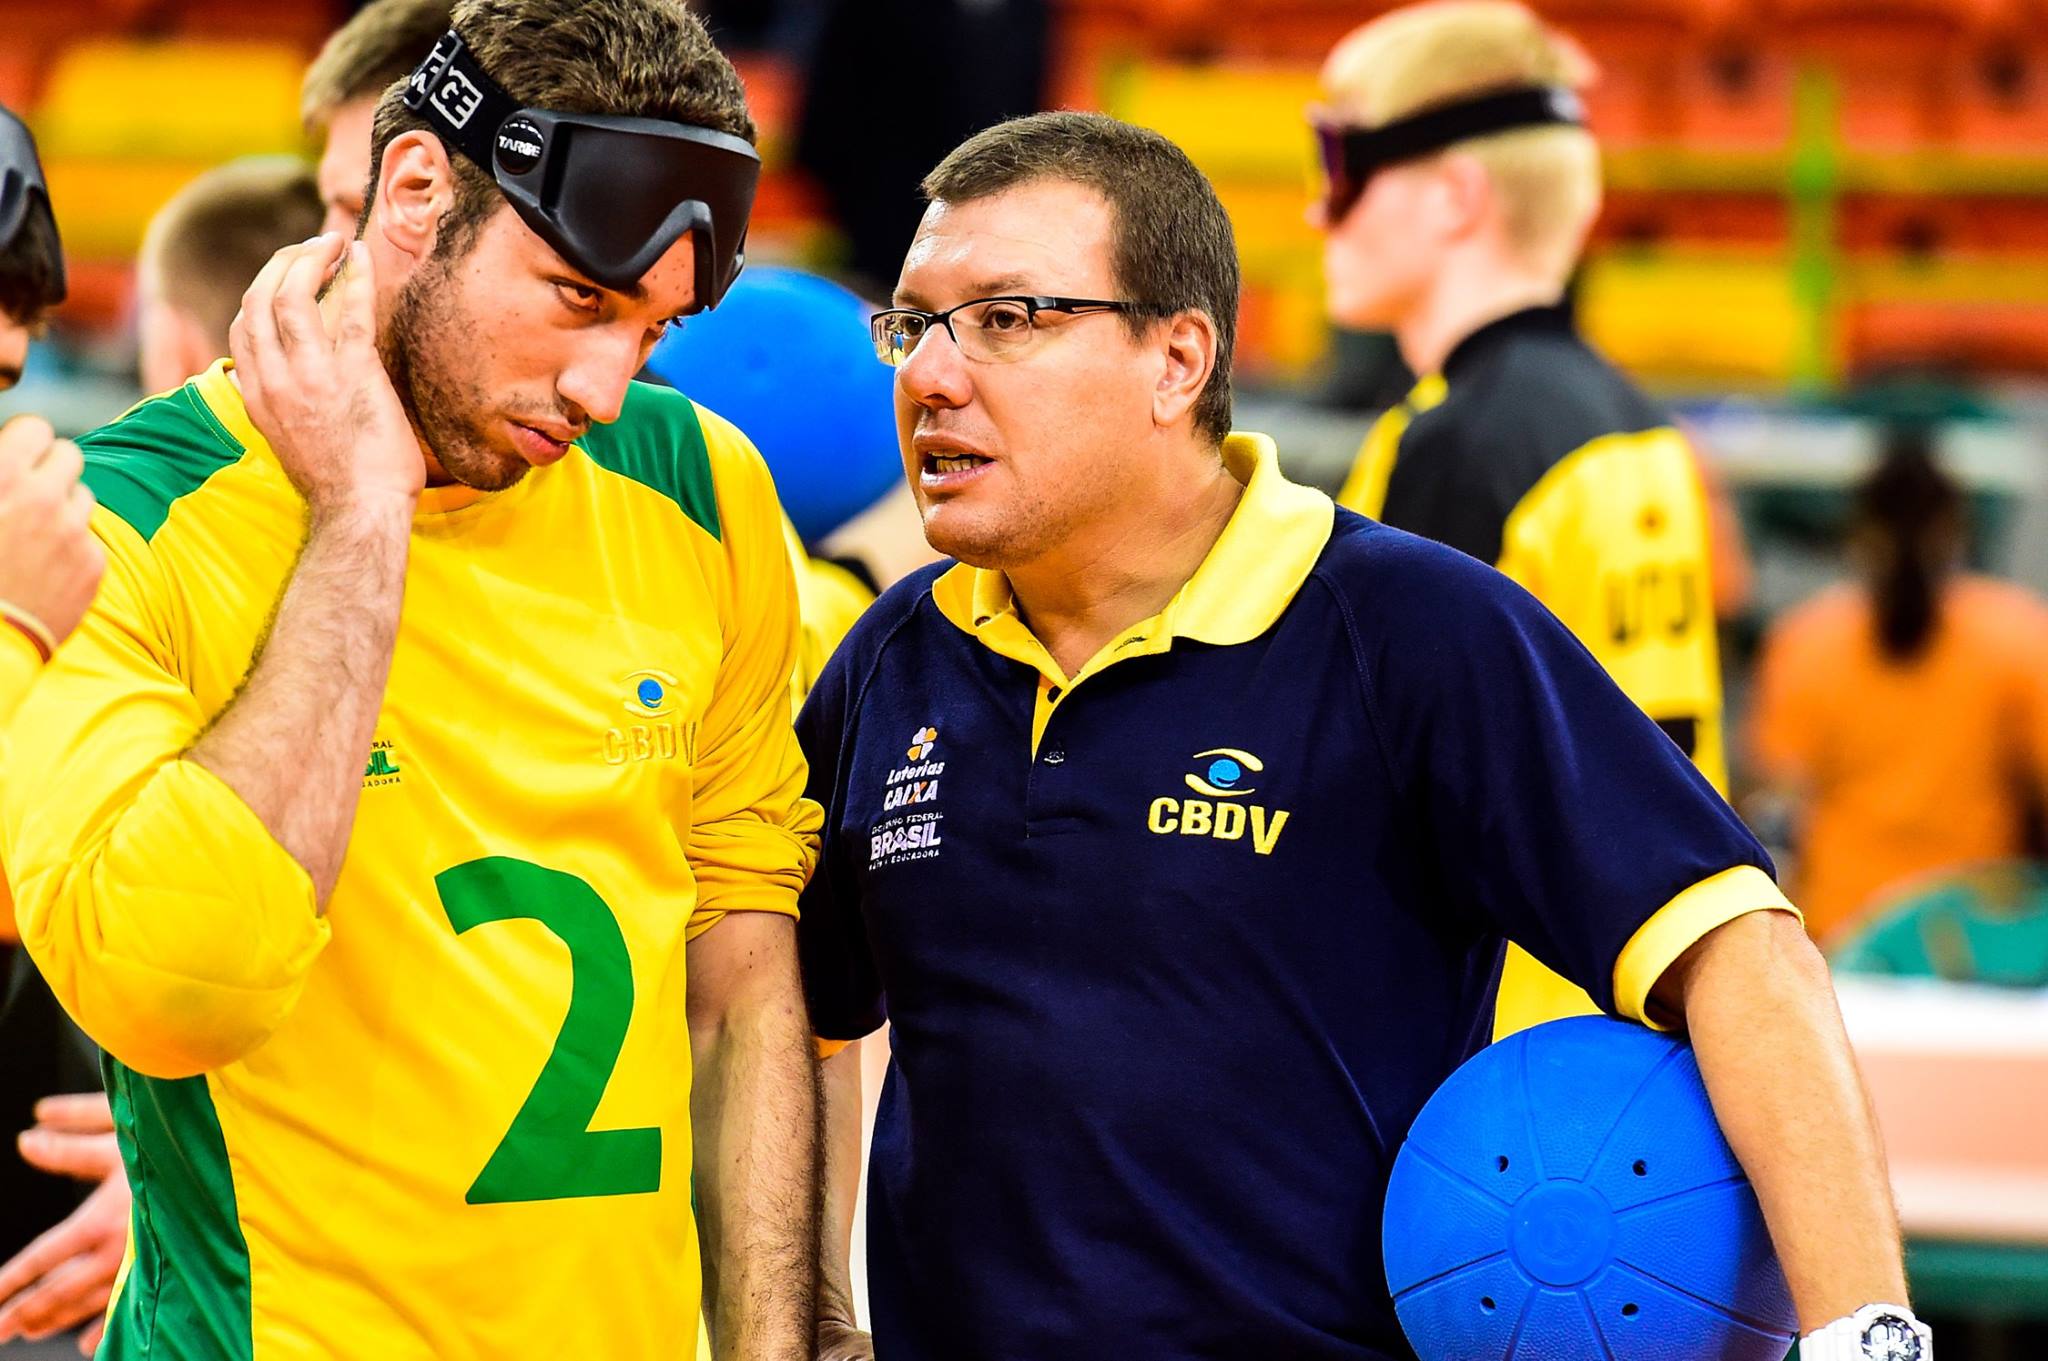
x: 611, y: 194
x: 520, y: 146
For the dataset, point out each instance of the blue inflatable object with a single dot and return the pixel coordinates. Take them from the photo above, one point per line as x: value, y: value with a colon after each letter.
x: 1567, y: 1194
x: 786, y: 357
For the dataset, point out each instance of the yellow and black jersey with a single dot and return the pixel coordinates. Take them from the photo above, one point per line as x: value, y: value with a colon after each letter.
x: 1531, y: 452
x: 450, y: 1117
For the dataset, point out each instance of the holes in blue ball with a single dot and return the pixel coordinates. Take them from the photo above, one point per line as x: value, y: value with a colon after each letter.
x: 1500, y: 1164
x: 1642, y: 1168
x: 1486, y: 1303
x: 1629, y: 1311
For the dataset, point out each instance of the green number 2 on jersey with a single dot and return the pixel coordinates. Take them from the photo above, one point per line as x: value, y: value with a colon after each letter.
x: 550, y: 1152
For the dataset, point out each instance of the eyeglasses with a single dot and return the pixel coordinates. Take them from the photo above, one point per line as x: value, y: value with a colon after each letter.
x: 992, y: 330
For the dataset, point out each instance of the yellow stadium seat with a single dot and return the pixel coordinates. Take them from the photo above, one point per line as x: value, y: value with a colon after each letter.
x: 184, y: 100
x: 1723, y: 314
x: 1235, y: 122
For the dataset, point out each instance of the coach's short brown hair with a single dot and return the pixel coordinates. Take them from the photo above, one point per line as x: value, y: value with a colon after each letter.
x: 629, y: 58
x: 217, y: 233
x: 1171, y: 243
x: 363, y: 57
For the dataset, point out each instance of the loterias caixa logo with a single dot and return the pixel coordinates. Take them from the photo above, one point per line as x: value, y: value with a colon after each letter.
x: 913, y: 785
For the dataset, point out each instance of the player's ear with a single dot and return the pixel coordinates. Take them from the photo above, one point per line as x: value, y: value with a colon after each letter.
x: 1187, y: 350
x: 415, y: 188
x: 1465, y: 193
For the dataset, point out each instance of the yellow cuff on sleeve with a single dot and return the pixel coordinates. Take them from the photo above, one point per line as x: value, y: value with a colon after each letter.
x: 1680, y: 923
x: 19, y: 663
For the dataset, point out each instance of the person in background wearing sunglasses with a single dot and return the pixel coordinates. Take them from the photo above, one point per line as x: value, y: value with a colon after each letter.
x: 1178, y: 828
x: 1461, y: 183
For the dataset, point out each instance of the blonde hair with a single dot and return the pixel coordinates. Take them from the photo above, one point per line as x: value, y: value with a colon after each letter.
x: 216, y: 234
x: 1547, y: 180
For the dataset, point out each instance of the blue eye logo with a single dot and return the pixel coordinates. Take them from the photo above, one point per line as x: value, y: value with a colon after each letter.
x: 650, y: 694
x: 1221, y: 773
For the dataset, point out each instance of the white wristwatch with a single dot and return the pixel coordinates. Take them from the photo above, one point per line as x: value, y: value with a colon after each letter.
x: 1876, y: 1332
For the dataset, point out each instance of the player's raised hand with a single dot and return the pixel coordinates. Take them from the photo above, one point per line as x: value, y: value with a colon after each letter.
x: 316, y: 389
x: 50, y: 563
x: 66, y: 1276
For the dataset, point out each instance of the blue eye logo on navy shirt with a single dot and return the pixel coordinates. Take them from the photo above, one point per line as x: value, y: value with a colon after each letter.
x: 1220, y: 774
x: 648, y: 694
x: 1223, y: 773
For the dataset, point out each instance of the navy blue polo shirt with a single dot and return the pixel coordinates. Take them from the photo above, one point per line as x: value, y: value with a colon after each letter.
x: 1175, y: 949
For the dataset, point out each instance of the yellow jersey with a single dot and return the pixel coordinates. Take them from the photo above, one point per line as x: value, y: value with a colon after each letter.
x: 830, y: 601
x: 19, y: 663
x: 450, y: 1117
x: 1531, y: 452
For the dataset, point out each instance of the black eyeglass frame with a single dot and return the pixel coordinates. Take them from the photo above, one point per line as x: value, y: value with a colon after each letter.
x: 1033, y: 304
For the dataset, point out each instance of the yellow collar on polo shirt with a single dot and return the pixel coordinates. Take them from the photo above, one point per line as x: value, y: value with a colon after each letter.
x: 1248, y: 578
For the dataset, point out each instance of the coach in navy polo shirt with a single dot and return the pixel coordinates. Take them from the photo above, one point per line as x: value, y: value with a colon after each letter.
x: 1178, y: 829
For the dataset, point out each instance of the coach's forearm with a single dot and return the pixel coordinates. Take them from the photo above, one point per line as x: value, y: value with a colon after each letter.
x: 1778, y: 1067
x: 292, y: 744
x: 754, y: 1118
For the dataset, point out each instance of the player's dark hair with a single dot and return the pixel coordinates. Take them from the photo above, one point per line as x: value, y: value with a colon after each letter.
x: 626, y: 58
x: 1912, y: 512
x: 27, y: 275
x: 1171, y: 244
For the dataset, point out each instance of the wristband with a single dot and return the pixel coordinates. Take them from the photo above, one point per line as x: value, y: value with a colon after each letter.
x: 30, y: 627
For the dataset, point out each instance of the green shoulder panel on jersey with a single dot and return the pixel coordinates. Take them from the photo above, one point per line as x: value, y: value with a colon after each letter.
x: 187, y: 1294
x: 658, y: 441
x: 160, y: 450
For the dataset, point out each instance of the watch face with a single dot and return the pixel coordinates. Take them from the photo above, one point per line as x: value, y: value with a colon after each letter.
x: 1891, y: 1338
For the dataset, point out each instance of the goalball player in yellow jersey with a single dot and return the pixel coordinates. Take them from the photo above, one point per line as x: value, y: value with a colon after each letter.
x: 1461, y: 185
x: 415, y: 992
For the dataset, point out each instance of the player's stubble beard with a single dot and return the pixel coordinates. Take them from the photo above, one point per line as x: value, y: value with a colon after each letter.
x: 419, y: 345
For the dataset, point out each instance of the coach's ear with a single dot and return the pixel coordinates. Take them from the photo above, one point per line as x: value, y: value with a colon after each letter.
x: 415, y: 188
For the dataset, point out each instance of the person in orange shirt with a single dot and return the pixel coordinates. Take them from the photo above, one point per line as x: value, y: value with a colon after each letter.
x: 1905, y: 714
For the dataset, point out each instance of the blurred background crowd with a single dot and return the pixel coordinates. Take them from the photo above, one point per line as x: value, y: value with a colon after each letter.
x: 1822, y: 244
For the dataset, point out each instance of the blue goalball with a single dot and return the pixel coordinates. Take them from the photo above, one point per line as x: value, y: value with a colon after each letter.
x: 787, y: 358
x: 1567, y: 1194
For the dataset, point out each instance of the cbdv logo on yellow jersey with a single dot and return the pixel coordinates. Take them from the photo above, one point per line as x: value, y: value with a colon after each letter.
x: 657, y: 736
x: 912, y: 836
x: 1221, y: 775
x: 383, y: 767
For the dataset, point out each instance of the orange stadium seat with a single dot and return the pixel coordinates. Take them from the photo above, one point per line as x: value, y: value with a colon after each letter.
x: 1894, y: 62
x: 301, y: 24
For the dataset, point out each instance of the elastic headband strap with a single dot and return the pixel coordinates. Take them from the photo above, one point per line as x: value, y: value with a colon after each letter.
x: 1434, y: 129
x: 459, y: 100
